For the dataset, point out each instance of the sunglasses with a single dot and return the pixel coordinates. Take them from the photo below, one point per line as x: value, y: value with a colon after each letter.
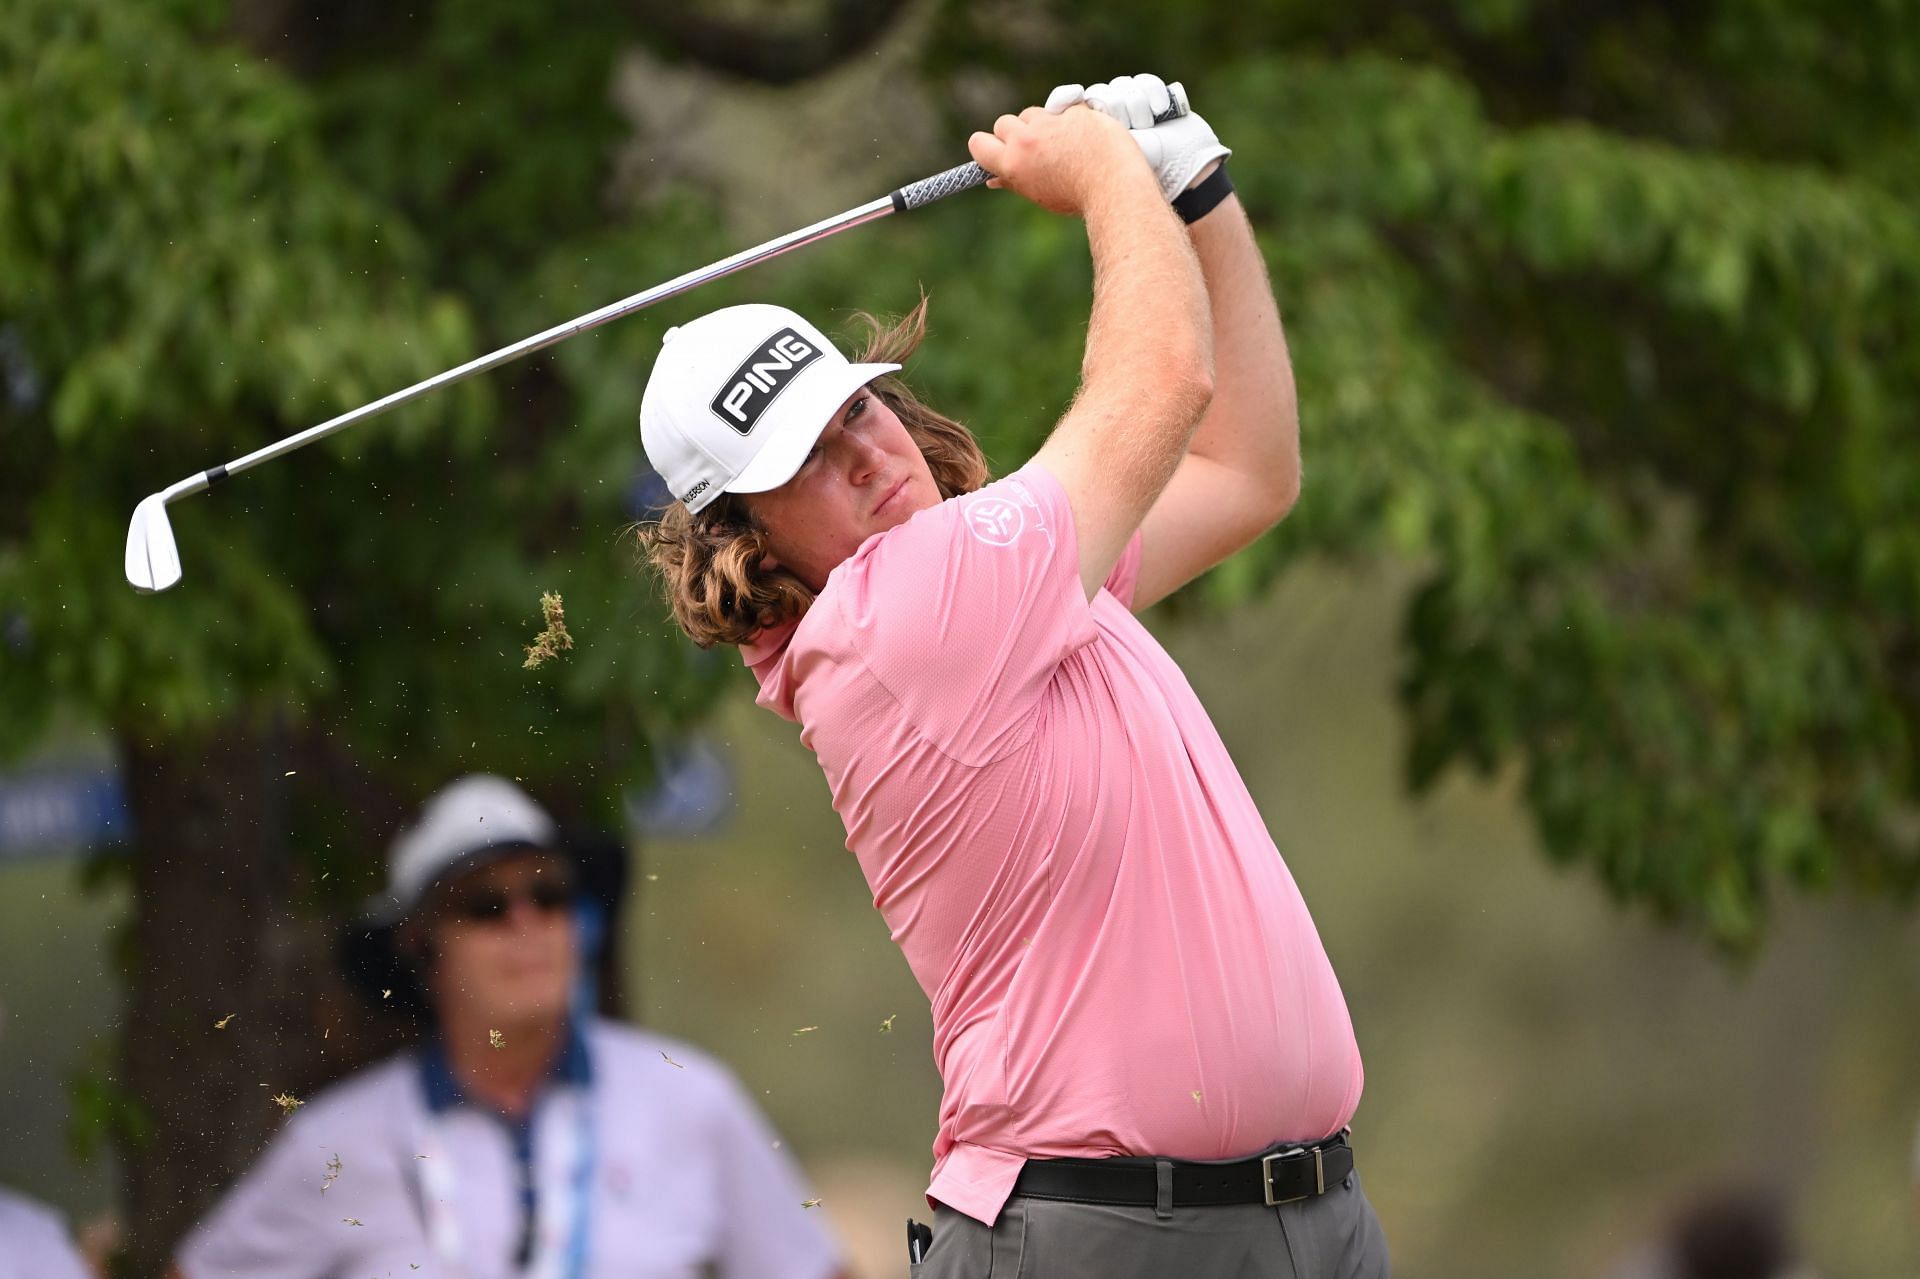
x: 490, y: 905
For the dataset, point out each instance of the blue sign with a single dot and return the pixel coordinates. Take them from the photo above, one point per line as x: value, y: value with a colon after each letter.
x: 59, y: 809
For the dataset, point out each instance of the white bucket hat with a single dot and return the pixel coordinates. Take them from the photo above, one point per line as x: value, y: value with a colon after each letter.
x: 738, y: 397
x: 468, y: 821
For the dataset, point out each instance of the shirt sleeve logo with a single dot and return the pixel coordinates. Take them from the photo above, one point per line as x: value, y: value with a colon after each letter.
x: 995, y: 521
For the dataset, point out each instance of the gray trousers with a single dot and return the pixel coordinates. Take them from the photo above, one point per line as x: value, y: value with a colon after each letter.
x: 1332, y: 1236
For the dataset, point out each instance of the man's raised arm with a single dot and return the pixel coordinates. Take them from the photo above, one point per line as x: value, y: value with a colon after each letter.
x: 1148, y: 371
x: 1242, y: 470
x: 1241, y: 474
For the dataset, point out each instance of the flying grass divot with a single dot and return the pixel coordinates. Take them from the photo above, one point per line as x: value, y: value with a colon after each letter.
x: 553, y: 641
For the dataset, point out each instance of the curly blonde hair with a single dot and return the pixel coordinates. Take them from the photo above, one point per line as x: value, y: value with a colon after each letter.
x: 711, y: 564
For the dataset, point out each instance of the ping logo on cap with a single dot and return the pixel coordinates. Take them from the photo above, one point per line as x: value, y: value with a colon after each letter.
x: 760, y: 379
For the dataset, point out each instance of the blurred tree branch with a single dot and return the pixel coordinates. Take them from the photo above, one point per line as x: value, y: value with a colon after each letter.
x: 769, y: 43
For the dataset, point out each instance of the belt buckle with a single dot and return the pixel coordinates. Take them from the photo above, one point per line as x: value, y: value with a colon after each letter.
x: 1266, y: 1176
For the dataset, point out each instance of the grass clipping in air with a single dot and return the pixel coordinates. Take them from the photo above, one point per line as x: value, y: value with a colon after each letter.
x: 553, y: 641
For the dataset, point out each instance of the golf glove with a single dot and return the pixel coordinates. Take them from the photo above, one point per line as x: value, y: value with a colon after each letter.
x: 1177, y: 150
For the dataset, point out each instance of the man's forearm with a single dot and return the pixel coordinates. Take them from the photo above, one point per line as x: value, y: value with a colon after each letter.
x: 1150, y: 306
x: 1147, y: 374
x: 1252, y: 424
x: 1149, y: 355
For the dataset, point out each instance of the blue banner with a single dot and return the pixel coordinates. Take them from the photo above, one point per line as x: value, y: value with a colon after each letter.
x: 61, y: 809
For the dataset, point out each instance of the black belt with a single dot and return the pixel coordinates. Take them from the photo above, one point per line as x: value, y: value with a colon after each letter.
x: 1285, y: 1176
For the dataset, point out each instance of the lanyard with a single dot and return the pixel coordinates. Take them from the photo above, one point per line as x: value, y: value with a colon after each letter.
x: 440, y: 1204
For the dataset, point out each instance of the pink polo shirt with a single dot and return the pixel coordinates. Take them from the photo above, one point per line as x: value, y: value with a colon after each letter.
x: 1118, y: 961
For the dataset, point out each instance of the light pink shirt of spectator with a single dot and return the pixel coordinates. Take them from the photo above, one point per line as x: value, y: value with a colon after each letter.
x: 1118, y: 960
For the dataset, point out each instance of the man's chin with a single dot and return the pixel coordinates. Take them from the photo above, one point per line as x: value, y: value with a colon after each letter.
x: 535, y: 1009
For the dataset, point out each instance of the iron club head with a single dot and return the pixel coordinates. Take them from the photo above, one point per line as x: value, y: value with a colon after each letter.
x: 153, y: 561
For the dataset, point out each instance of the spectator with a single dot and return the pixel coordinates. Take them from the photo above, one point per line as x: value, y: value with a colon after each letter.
x: 524, y: 1137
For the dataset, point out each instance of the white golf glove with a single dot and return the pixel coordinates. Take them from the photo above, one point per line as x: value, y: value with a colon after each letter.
x: 1177, y: 150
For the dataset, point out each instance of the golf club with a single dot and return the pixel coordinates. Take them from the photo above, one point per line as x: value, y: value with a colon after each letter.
x: 153, y: 560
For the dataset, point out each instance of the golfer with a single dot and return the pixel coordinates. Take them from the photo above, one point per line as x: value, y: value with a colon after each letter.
x: 522, y: 1139
x: 1148, y: 1064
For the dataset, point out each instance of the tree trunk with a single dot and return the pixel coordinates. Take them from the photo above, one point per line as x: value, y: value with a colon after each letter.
x: 212, y: 938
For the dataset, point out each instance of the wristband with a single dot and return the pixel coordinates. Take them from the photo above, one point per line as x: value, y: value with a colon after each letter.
x: 1196, y: 202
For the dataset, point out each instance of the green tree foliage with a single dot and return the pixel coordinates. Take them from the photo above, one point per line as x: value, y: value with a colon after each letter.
x: 191, y: 267
x: 186, y: 274
x: 1637, y: 382
x: 1602, y: 314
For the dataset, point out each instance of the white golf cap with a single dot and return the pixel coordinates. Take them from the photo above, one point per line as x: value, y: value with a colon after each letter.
x: 738, y: 397
x: 466, y: 822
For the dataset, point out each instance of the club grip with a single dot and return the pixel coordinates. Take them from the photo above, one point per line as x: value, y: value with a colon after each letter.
x: 965, y: 177
x: 917, y: 195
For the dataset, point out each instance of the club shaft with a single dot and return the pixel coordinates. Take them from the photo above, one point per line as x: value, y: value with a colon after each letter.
x: 867, y: 212
x: 916, y: 195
